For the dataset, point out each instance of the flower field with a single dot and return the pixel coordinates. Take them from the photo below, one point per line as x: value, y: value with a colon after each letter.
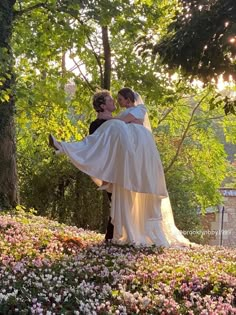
x: 50, y: 268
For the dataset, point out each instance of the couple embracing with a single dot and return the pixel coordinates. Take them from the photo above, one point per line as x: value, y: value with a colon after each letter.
x: 120, y: 154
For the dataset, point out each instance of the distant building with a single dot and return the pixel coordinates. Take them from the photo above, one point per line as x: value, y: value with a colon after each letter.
x: 219, y: 224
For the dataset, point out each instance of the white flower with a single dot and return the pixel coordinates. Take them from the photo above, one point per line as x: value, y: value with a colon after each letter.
x: 58, y: 298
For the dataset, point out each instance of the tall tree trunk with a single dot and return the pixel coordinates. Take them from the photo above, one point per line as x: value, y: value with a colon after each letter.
x: 8, y: 174
x: 106, y: 84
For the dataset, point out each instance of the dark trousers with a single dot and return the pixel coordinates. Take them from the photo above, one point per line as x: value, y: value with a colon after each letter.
x: 110, y: 226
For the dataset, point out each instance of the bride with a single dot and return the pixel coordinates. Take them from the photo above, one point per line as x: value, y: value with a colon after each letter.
x: 122, y: 154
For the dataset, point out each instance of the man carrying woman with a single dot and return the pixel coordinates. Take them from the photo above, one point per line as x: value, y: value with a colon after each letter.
x: 122, y: 153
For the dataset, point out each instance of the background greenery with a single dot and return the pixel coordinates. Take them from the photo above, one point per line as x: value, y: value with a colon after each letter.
x: 185, y: 126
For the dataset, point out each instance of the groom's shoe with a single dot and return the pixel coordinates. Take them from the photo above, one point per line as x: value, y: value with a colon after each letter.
x: 109, y: 232
x: 108, y: 241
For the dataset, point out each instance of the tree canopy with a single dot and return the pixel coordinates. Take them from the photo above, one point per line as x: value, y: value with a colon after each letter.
x: 202, y: 39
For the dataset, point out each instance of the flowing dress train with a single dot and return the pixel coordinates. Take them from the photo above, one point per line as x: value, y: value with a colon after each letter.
x: 126, y: 156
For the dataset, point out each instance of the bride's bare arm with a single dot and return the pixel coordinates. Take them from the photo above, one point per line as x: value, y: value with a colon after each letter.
x: 129, y: 118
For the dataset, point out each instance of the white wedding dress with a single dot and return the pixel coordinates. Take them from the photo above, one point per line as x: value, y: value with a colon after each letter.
x: 126, y: 156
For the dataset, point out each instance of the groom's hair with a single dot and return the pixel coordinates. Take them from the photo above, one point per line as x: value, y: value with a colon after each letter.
x: 127, y: 93
x: 99, y: 99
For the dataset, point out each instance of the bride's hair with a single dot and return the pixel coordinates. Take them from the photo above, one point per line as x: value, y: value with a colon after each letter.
x: 127, y: 93
x: 99, y: 99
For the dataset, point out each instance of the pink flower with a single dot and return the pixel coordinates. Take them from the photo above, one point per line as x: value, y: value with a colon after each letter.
x: 37, y: 262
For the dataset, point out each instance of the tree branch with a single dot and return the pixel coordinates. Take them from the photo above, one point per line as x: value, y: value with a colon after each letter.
x: 29, y: 9
x: 84, y: 77
x: 94, y: 53
x: 165, y: 115
x: 171, y: 109
x: 74, y: 14
x: 97, y: 58
x: 210, y: 118
x: 184, y: 135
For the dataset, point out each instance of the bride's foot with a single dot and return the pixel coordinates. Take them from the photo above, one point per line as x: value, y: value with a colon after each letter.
x: 52, y: 142
x: 107, y: 187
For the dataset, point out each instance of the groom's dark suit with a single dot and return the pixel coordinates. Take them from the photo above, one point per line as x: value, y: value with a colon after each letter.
x: 92, y: 128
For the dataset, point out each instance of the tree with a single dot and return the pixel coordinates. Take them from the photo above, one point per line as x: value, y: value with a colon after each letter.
x: 202, y: 39
x: 193, y: 157
x: 202, y: 42
x: 85, y: 16
x: 8, y: 175
x: 84, y: 32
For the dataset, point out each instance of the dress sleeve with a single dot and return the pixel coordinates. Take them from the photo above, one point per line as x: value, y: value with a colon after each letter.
x: 138, y: 111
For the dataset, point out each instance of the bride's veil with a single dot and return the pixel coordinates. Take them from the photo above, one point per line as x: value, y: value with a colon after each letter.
x: 139, y: 101
x: 172, y: 233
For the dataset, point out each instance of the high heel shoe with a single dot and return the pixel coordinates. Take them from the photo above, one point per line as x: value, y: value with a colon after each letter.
x: 52, y: 142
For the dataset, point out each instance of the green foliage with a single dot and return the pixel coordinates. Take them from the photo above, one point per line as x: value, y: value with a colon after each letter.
x: 201, y: 42
x: 192, y: 154
x: 57, y: 190
x: 200, y: 166
x: 199, y: 39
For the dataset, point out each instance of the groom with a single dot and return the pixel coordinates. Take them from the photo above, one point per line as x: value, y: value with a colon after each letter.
x: 103, y: 102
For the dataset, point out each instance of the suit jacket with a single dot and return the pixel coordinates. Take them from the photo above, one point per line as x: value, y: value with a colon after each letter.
x: 95, y: 125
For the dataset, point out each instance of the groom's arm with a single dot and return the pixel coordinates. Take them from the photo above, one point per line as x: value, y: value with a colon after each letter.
x: 129, y: 118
